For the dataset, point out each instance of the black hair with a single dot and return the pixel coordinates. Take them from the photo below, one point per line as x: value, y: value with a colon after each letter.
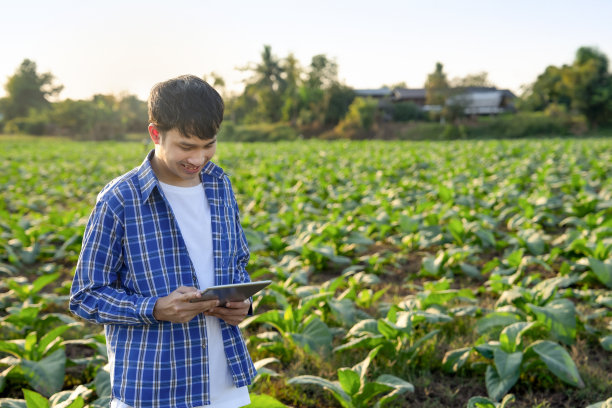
x: 187, y: 103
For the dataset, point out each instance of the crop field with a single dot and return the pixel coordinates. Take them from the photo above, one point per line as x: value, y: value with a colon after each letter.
x: 457, y: 274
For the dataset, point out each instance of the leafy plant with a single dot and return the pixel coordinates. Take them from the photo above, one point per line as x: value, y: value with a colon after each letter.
x: 510, y: 357
x: 353, y: 390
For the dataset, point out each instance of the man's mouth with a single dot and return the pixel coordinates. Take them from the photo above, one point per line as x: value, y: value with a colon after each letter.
x: 190, y: 168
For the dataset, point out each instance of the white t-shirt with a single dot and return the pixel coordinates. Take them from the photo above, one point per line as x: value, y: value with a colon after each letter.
x: 192, y: 212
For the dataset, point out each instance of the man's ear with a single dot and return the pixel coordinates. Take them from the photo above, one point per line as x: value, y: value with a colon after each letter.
x: 154, y: 133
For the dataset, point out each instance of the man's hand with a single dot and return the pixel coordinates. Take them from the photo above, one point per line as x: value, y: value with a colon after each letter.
x: 176, y: 307
x: 233, y: 312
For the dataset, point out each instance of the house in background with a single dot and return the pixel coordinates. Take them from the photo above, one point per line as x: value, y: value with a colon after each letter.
x: 476, y: 101
x: 381, y: 93
x: 416, y: 96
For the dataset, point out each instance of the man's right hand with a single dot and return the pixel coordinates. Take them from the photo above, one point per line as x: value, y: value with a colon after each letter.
x: 176, y: 307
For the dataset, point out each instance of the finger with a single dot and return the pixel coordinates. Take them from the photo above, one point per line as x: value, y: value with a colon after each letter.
x: 226, y: 312
x: 186, y: 289
x: 204, y: 305
x: 238, y: 305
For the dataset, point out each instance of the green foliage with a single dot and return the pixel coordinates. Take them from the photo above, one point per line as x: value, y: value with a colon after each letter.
x: 407, y: 111
x: 486, y: 249
x: 585, y: 86
x: 27, y: 91
x: 353, y: 390
x: 436, y: 86
x: 360, y: 118
x: 263, y: 132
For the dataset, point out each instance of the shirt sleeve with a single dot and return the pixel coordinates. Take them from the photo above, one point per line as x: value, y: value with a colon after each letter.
x: 96, y: 294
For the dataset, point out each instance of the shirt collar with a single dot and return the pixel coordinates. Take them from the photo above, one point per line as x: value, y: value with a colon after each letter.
x: 148, y: 180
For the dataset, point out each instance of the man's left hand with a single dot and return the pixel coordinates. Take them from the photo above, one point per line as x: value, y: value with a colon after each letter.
x: 232, y: 313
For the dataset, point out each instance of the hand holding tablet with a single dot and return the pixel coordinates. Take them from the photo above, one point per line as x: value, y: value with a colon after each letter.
x: 236, y: 292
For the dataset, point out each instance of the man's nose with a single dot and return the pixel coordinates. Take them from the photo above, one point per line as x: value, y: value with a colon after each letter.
x: 197, y: 159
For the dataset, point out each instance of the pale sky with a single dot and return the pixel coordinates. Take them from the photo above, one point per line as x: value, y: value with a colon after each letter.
x: 116, y: 46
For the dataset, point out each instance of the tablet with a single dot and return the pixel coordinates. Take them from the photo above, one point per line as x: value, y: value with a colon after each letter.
x: 236, y: 292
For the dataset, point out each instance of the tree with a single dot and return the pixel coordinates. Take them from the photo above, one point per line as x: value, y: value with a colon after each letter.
x: 590, y: 85
x: 436, y: 87
x: 292, y: 75
x: 28, y: 90
x: 584, y: 87
x: 322, y: 77
x: 360, y: 119
x: 548, y: 88
x: 133, y: 113
x: 266, y: 86
x: 478, y: 80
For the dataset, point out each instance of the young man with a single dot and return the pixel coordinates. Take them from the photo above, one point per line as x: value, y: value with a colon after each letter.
x: 157, y: 235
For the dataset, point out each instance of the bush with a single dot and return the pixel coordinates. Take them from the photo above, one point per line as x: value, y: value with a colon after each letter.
x: 263, y: 132
x: 34, y: 124
x: 528, y: 124
x: 407, y: 111
x: 360, y: 119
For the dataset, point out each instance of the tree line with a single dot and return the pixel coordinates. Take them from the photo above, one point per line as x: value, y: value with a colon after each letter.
x: 280, y: 95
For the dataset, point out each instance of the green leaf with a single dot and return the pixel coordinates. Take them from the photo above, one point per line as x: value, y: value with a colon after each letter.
x: 498, y: 386
x: 3, y: 376
x: 344, y: 310
x: 606, y: 342
x: 455, y: 226
x: 510, y: 337
x: 51, y: 335
x: 508, y: 364
x: 602, y: 404
x: 515, y: 258
x: 12, y: 403
x: 47, y: 375
x: 480, y: 402
x: 470, y: 270
x: 34, y: 399
x: 558, y: 361
x: 603, y: 271
x: 316, y: 336
x: 455, y: 359
x: 388, y: 329
x: 78, y: 402
x: 11, y: 348
x: 369, y: 391
x: 560, y: 317
x: 334, y: 387
x: 487, y: 350
x: 349, y: 381
x: 408, y: 225
x: 495, y: 319
x: 102, y: 381
x: 399, y: 387
x: 264, y: 401
x: 535, y: 244
x: 43, y: 281
x: 486, y: 237
x: 362, y: 367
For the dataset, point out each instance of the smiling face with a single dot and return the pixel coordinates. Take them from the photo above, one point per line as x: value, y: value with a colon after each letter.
x: 178, y: 159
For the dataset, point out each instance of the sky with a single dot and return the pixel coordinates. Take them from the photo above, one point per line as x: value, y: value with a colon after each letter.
x: 127, y: 46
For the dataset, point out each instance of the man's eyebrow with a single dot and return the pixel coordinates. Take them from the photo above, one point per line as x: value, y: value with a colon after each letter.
x: 187, y: 144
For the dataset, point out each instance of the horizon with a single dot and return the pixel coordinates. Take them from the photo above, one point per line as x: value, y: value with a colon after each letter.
x: 127, y: 48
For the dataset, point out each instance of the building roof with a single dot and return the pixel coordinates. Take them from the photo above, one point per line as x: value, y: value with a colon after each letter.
x: 376, y: 93
x: 404, y: 93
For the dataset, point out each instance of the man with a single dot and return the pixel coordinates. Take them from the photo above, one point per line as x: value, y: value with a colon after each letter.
x: 157, y: 236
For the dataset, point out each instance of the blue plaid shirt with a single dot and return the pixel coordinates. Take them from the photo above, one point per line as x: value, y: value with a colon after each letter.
x: 132, y: 254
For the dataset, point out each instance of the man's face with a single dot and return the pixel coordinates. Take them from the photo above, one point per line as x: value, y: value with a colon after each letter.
x: 178, y: 159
